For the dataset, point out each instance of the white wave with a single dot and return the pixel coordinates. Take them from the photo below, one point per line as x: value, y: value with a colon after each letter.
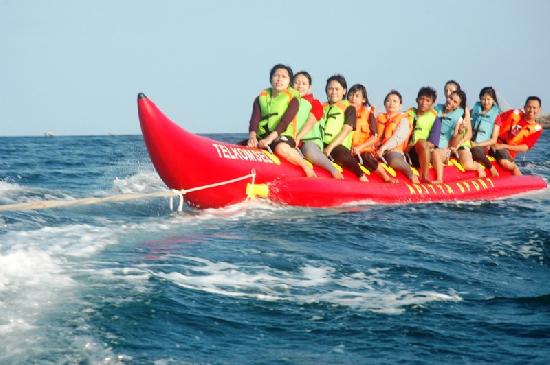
x: 36, y: 276
x: 137, y: 277
x: 9, y: 191
x: 314, y: 284
x: 73, y: 240
x: 32, y: 283
x: 141, y: 182
x: 9, y: 187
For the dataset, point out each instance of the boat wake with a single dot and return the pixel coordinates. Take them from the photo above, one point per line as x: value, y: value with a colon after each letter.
x: 309, y: 285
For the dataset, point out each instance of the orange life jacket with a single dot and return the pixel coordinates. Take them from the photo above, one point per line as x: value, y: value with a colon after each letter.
x: 514, y: 130
x: 508, y: 120
x: 386, y: 129
x: 362, y: 130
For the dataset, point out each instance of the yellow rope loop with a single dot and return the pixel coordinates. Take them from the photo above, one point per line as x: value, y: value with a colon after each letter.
x: 250, y: 186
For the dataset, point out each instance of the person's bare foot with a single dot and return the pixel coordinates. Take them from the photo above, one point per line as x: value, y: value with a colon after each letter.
x: 481, y: 172
x: 494, y: 172
x: 337, y: 175
x: 363, y: 178
x: 309, y: 171
x: 415, y: 179
x: 391, y: 180
x: 437, y: 182
x: 516, y: 171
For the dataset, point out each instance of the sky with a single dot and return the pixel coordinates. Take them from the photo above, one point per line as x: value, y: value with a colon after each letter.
x: 75, y: 67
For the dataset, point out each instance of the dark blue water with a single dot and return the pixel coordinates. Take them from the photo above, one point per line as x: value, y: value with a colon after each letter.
x: 134, y: 283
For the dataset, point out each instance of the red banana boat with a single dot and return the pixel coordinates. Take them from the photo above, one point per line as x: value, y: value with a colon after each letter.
x: 214, y: 174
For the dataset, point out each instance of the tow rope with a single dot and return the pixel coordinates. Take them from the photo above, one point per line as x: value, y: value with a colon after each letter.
x: 47, y: 204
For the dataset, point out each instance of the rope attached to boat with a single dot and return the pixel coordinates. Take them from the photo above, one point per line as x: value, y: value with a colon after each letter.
x: 181, y: 193
x: 46, y: 204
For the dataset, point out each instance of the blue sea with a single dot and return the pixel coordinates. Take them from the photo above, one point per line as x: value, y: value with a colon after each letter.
x: 256, y: 283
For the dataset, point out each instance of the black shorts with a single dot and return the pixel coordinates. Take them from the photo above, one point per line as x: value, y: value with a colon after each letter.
x: 413, y: 157
x: 282, y: 139
x: 502, y: 154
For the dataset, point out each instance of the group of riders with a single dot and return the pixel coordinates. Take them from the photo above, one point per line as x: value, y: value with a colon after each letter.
x: 345, y: 131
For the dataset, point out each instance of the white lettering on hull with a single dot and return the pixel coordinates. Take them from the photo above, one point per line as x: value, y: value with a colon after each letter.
x: 237, y: 153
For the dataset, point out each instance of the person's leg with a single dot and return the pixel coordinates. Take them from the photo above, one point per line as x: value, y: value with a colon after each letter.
x: 313, y: 154
x: 397, y: 161
x: 479, y: 155
x: 466, y: 160
x: 438, y: 157
x: 283, y: 149
x: 423, y: 151
x: 344, y: 158
x: 505, y: 160
x: 372, y: 165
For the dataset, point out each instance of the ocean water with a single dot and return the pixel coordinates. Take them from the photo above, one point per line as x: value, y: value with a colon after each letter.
x: 134, y: 283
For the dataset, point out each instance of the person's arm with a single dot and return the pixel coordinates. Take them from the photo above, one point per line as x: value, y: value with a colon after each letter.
x: 490, y: 142
x: 347, y: 128
x: 371, y: 140
x: 365, y: 145
x: 468, y: 125
x: 463, y: 133
x: 400, y: 135
x: 254, y: 123
x: 435, y: 132
x: 517, y: 148
x: 457, y: 126
x: 287, y: 117
x: 373, y: 125
x: 527, y: 144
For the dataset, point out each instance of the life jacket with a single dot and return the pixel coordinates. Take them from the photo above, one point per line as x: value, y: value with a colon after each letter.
x: 422, y: 124
x: 333, y: 122
x: 314, y: 134
x: 272, y: 110
x: 483, y: 123
x: 386, y: 129
x: 362, y: 130
x: 514, y: 129
x: 508, y: 121
x: 448, y: 124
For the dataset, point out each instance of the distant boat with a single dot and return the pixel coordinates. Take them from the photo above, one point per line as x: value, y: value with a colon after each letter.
x: 49, y: 134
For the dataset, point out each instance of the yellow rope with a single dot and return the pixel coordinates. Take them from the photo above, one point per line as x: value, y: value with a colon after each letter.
x: 47, y: 204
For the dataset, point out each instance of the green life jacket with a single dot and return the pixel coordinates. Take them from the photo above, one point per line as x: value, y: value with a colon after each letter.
x: 333, y: 122
x: 272, y: 110
x: 483, y: 123
x: 422, y: 124
x: 314, y: 134
x: 448, y: 124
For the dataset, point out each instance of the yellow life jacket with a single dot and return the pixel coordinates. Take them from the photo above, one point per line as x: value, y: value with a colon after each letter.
x: 272, y: 110
x: 333, y: 122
